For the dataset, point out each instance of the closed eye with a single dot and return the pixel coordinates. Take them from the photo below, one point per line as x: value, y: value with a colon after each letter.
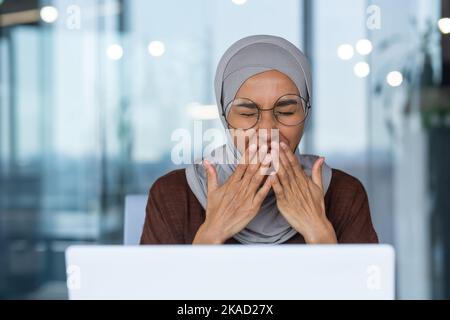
x: 248, y: 114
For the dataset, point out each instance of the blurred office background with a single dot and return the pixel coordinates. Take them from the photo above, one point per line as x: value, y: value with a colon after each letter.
x: 91, y: 91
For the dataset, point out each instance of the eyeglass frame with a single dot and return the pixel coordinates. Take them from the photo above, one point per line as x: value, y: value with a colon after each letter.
x: 308, y: 107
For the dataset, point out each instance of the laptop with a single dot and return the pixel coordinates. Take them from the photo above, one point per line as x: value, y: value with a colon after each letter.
x: 231, y: 272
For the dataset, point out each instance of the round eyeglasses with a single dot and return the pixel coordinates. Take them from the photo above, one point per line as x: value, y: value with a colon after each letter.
x: 289, y: 110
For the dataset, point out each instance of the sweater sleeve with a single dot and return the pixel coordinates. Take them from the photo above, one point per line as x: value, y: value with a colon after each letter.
x: 161, y: 225
x: 356, y: 225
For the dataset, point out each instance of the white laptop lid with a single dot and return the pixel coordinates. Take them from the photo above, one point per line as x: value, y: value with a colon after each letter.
x: 231, y: 272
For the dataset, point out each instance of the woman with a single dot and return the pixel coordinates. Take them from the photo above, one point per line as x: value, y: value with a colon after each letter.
x: 262, y: 83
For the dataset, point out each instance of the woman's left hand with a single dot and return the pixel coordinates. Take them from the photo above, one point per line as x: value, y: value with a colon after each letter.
x: 300, y: 199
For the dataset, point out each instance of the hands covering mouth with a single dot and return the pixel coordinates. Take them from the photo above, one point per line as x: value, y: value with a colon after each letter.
x: 300, y: 199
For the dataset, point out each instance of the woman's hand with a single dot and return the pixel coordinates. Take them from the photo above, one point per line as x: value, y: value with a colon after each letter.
x: 232, y: 206
x: 301, y: 199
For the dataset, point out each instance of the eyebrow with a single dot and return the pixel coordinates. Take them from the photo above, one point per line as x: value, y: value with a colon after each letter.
x: 252, y: 105
x: 286, y: 102
x: 249, y: 105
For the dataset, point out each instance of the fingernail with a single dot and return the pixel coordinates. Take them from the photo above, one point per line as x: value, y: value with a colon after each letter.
x: 274, y: 145
x: 205, y: 163
x: 267, y: 160
x: 274, y: 152
x: 252, y: 148
x: 283, y: 145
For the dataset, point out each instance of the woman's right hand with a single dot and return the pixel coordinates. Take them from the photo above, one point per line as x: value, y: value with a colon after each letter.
x: 232, y: 206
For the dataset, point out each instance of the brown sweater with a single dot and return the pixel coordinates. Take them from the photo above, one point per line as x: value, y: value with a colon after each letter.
x: 173, y: 213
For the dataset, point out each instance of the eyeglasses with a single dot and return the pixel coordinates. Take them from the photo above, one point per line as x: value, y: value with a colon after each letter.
x: 289, y: 110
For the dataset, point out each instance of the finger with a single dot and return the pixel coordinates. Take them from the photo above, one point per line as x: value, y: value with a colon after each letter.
x: 275, y: 152
x: 244, y: 162
x: 317, y: 172
x: 212, y: 182
x: 277, y: 187
x: 253, y: 168
x: 282, y: 174
x: 260, y: 174
x: 244, y: 138
x: 286, y: 163
x: 265, y: 165
x: 260, y: 155
x: 297, y: 181
x: 263, y: 191
x: 294, y: 162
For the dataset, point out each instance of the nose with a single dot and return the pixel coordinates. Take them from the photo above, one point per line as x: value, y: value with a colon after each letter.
x: 266, y: 120
x: 265, y: 125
